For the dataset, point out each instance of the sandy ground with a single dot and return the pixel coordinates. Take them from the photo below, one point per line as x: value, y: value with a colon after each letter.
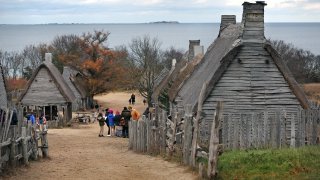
x: 78, y: 153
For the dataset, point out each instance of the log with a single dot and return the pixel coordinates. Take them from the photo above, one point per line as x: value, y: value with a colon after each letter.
x: 187, y: 140
x: 44, y: 143
x: 6, y: 143
x: 24, y: 146
x: 13, y: 153
x: 214, y: 142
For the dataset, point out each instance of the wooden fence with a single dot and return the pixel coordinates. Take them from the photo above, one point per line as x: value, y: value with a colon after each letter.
x: 179, y: 132
x: 270, y: 129
x: 19, y: 143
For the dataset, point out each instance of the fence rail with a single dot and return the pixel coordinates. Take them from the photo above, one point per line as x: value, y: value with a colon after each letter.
x: 19, y: 143
x: 171, y: 134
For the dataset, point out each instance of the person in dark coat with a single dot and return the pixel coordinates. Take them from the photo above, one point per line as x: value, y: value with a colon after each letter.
x: 101, y: 124
x: 126, y: 114
x: 133, y: 99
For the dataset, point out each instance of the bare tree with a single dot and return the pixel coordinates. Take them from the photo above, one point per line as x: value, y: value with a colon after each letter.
x: 146, y: 57
x: 303, y: 64
x: 32, y: 57
x: 170, y: 54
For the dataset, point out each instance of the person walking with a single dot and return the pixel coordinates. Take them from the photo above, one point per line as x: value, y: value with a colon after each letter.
x: 133, y: 99
x: 126, y: 115
x: 101, y: 121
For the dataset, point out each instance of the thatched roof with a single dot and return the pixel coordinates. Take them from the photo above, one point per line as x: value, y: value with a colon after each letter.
x: 3, y: 91
x: 215, y: 62
x: 69, y: 75
x: 170, y: 77
x: 183, y: 73
x: 58, y: 80
x: 161, y: 76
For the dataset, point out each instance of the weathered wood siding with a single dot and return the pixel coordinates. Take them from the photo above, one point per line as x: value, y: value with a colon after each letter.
x: 43, y: 91
x: 251, y: 83
x: 3, y: 93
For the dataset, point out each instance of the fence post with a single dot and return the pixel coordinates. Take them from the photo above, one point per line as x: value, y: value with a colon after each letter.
x: 187, y: 134
x: 24, y: 145
x: 214, y: 142
x: 173, y: 127
x: 12, y: 152
x: 196, y: 126
x: 44, y: 143
x: 130, y: 135
x: 34, y: 137
x: 163, y: 131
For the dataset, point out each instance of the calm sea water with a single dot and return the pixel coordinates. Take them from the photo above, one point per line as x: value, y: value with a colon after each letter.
x: 16, y: 37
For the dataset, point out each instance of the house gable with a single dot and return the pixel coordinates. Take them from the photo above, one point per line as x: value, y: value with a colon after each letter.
x: 43, y: 90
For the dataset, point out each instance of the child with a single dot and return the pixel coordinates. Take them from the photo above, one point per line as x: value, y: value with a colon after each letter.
x: 111, y: 122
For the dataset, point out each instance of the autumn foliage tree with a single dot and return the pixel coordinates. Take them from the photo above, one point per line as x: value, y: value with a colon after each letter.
x: 102, y: 67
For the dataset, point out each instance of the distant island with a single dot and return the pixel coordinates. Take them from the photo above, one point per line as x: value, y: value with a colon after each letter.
x: 165, y: 22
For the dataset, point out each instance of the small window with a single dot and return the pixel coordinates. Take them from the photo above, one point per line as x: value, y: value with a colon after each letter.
x: 50, y: 80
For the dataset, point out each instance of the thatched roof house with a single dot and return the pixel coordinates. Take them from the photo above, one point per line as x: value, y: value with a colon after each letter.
x: 47, y: 87
x: 178, y: 73
x: 243, y: 70
x: 3, y: 91
x: 69, y: 75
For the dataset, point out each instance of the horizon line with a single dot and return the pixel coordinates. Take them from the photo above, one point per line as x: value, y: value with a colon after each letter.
x: 154, y: 22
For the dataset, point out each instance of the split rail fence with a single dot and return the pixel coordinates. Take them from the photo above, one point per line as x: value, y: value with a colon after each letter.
x: 19, y: 143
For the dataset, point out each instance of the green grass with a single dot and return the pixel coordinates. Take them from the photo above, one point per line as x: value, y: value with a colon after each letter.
x: 299, y: 163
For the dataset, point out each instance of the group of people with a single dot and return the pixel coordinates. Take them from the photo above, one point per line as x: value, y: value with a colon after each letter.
x: 39, y: 121
x: 116, y: 119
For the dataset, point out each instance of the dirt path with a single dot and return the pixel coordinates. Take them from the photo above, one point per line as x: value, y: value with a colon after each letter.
x: 81, y: 154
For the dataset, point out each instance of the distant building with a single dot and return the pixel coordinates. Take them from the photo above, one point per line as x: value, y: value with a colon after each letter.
x: 47, y: 92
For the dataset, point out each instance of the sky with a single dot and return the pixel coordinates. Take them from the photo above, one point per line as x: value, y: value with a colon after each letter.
x: 143, y: 11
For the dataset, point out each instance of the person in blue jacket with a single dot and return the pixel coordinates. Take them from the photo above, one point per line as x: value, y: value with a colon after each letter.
x: 111, y: 122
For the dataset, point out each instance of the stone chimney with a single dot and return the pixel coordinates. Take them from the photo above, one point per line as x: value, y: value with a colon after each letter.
x: 48, y: 57
x: 174, y: 62
x: 253, y: 20
x: 226, y: 20
x: 194, y: 49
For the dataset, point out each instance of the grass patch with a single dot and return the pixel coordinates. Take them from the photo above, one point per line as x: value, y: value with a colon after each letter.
x: 299, y: 163
x: 312, y: 90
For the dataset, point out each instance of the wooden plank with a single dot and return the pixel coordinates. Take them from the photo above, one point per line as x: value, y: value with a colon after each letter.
x: 293, y: 132
x: 214, y: 142
x: 187, y: 139
x: 196, y: 126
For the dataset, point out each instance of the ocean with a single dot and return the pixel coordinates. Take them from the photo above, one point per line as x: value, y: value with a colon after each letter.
x: 15, y: 37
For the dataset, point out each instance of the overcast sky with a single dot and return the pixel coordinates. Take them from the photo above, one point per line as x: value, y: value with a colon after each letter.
x: 141, y: 11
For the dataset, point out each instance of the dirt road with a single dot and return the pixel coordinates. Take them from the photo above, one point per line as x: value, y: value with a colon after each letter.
x: 78, y: 153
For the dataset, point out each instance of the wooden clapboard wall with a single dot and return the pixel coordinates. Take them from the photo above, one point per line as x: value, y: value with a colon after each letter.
x: 43, y: 90
x: 251, y: 83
